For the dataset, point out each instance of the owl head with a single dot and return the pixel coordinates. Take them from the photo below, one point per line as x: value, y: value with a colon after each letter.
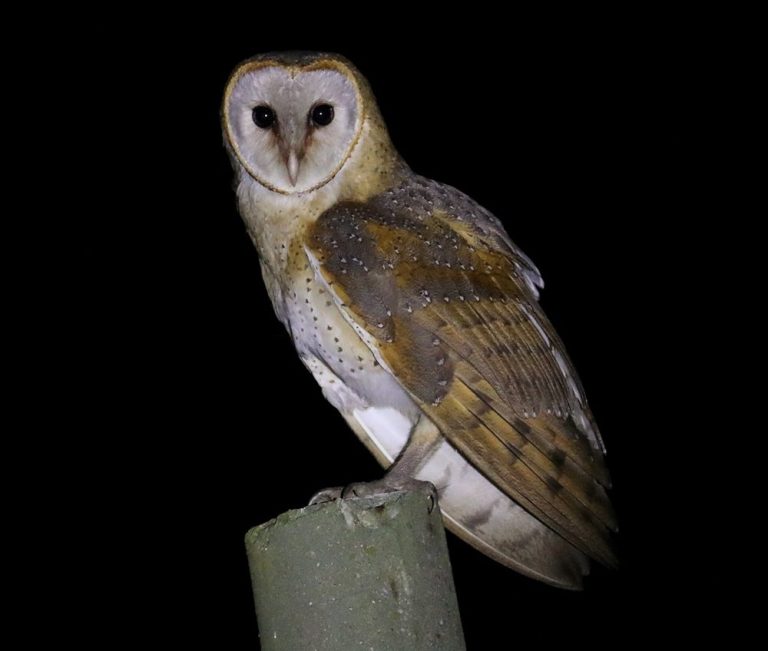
x: 293, y: 120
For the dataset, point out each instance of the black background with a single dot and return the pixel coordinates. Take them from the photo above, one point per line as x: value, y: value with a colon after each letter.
x: 201, y: 418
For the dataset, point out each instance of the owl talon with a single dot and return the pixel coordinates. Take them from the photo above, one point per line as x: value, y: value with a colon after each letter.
x: 378, y: 487
x: 390, y: 485
x: 429, y: 488
x: 327, y: 495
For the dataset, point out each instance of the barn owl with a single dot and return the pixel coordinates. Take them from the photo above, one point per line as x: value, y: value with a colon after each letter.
x: 418, y: 317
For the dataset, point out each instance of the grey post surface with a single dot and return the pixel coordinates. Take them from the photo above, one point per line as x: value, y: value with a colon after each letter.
x: 363, y: 573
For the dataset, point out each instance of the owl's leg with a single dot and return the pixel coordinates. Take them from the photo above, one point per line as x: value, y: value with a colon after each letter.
x: 400, y: 476
x: 423, y: 439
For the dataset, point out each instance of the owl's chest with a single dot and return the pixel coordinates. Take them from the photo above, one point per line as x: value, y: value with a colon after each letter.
x: 336, y: 355
x: 318, y: 327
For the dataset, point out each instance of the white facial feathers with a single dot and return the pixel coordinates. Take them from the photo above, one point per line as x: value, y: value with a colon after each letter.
x: 293, y: 148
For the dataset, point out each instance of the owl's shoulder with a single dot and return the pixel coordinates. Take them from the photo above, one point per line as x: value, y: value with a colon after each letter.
x: 418, y: 207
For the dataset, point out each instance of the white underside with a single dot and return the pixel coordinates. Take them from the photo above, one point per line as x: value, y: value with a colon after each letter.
x: 387, y: 428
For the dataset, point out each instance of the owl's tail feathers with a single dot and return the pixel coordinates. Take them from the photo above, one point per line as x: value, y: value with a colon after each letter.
x: 542, y: 555
x: 479, y: 513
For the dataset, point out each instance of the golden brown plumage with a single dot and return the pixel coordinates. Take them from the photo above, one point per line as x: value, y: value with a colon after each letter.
x: 456, y: 321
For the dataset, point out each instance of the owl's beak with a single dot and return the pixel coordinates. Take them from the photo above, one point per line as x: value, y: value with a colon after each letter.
x: 293, y: 166
x: 292, y: 142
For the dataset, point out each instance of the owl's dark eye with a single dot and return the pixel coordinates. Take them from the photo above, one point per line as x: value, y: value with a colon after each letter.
x: 263, y: 117
x: 322, y: 115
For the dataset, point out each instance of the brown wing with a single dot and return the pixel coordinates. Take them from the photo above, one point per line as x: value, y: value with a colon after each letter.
x: 451, y: 307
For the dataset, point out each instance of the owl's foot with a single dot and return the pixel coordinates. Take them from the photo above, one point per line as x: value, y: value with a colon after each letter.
x: 327, y: 495
x: 387, y: 484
